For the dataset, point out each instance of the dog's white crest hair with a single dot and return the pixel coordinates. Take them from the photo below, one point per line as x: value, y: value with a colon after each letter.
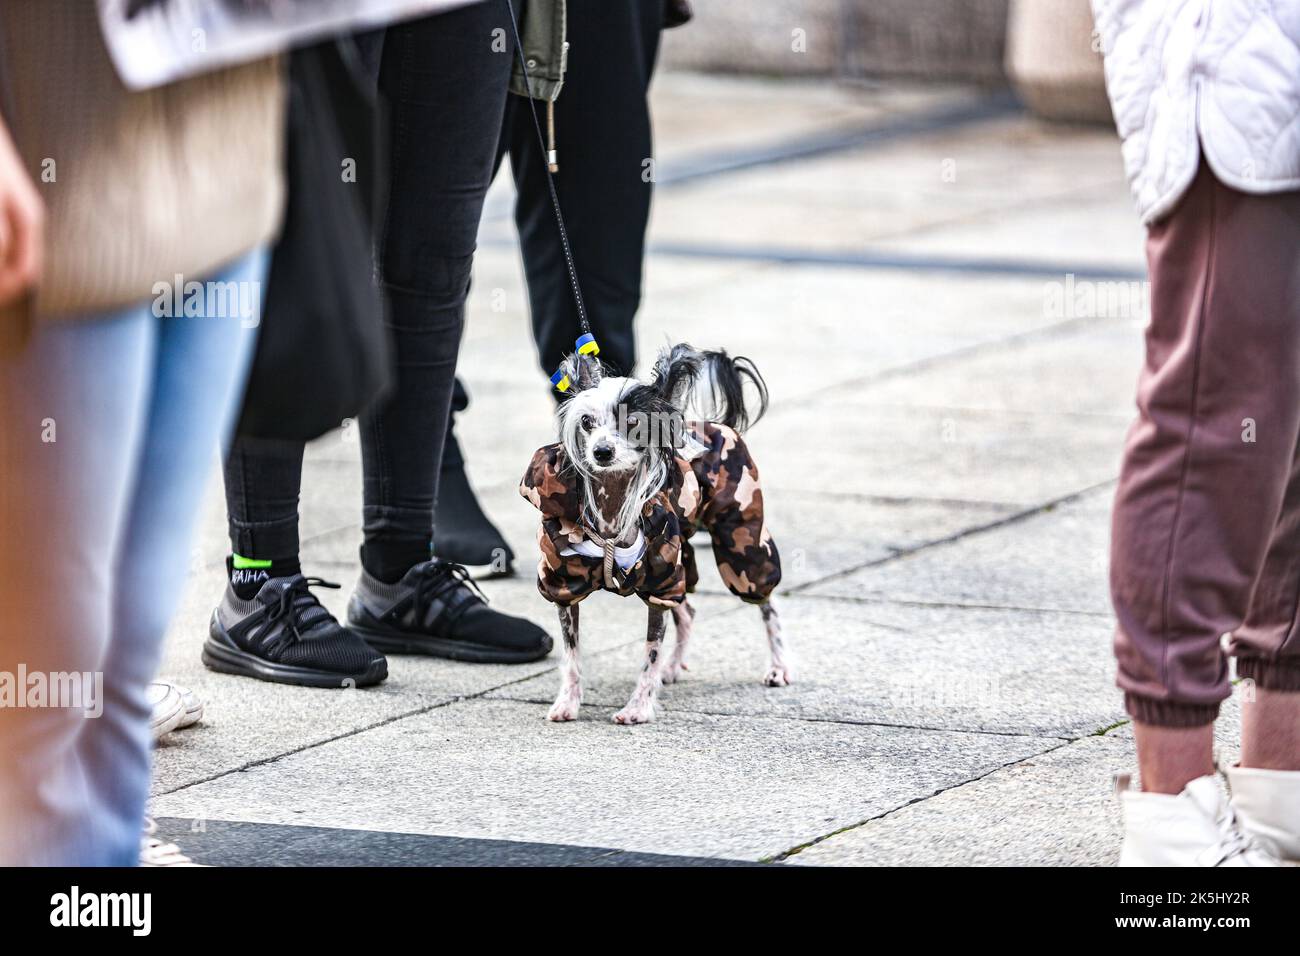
x: 649, y: 474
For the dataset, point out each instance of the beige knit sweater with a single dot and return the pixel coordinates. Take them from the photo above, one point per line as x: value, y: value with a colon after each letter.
x: 139, y: 187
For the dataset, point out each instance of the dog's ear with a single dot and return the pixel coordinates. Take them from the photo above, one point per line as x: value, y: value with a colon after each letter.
x: 675, y: 372
x: 583, y: 371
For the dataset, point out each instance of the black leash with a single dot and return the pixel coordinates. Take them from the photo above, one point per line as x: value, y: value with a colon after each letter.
x: 586, y: 343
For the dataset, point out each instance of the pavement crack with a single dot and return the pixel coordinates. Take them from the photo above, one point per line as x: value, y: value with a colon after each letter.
x: 877, y: 601
x: 840, y: 721
x: 392, y: 719
x: 795, y: 850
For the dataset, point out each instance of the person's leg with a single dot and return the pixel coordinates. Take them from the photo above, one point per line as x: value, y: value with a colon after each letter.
x: 197, y: 375
x: 250, y: 634
x: 603, y: 138
x: 1207, y: 463
x: 72, y: 409
x: 1266, y: 646
x: 446, y: 89
x: 263, y: 479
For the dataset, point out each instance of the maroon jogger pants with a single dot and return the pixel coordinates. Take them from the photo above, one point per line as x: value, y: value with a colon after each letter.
x: 1206, y: 525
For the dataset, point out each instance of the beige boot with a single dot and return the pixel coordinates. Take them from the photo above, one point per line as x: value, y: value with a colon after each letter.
x: 1193, y: 828
x: 1268, y: 805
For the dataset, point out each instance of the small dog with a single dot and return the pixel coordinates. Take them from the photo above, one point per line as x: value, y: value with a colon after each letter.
x: 629, y: 482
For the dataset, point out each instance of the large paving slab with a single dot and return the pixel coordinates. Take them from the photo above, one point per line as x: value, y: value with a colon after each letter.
x: 1092, y: 228
x: 820, y: 534
x: 1016, y: 458
x: 927, y: 182
x: 1076, y: 368
x: 1053, y: 809
x: 1051, y: 162
x: 975, y: 669
x: 832, y: 326
x: 247, y: 720
x: 697, y: 114
x: 699, y: 785
x: 1056, y: 559
x: 844, y: 325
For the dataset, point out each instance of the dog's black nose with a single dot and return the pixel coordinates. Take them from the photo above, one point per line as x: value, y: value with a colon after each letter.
x: 603, y: 453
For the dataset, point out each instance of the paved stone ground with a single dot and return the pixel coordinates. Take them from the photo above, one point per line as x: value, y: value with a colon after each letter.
x: 939, y: 462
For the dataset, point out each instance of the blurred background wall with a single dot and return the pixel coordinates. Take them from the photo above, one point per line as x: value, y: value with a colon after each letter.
x: 1045, y: 49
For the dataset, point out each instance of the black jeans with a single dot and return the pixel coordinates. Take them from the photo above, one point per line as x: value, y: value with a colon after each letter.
x: 446, y: 92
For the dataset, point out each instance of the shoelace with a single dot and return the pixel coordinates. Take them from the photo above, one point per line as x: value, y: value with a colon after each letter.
x: 437, y: 579
x: 295, y: 600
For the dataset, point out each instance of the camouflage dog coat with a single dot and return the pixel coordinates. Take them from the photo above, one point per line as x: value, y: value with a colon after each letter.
x: 717, y: 490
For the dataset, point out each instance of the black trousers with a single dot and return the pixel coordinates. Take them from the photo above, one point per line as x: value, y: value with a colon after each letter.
x: 451, y: 125
x: 446, y: 91
x: 603, y: 138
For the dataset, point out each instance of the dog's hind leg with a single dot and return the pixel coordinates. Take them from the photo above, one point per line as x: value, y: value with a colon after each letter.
x: 683, y: 619
x: 641, y: 708
x: 780, y: 671
x: 569, y: 698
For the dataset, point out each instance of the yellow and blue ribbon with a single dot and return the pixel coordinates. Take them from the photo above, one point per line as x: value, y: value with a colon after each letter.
x: 585, y: 345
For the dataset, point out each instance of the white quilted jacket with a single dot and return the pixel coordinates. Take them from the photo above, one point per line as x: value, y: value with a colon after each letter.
x: 1226, y: 71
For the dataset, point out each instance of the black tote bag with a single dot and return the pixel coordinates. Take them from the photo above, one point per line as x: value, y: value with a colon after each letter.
x: 323, y: 352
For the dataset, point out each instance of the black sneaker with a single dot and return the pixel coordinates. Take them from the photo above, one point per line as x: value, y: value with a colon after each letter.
x: 284, y: 635
x: 436, y: 609
x: 463, y: 534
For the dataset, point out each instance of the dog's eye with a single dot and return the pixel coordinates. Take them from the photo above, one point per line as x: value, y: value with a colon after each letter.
x: 633, y: 421
x: 587, y: 423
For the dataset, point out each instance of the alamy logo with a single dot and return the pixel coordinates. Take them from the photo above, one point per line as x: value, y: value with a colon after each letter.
x: 76, y: 690
x: 75, y: 908
x: 209, y: 300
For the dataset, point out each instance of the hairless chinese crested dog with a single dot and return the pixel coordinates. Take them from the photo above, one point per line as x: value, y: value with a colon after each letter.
x: 625, y: 487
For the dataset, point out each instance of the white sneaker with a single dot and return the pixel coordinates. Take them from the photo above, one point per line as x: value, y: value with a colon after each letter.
x: 174, y: 707
x: 1194, y: 828
x: 168, y: 708
x: 193, y: 707
x: 153, y: 852
x: 1268, y: 804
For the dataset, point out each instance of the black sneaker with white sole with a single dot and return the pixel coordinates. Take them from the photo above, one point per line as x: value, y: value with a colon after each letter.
x: 284, y: 635
x: 436, y: 609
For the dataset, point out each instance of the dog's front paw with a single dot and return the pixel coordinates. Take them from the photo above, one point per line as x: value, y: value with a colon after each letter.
x: 635, y: 714
x: 779, y: 675
x: 564, y: 708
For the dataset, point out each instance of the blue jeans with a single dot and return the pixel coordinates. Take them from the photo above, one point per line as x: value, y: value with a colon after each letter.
x: 109, y: 427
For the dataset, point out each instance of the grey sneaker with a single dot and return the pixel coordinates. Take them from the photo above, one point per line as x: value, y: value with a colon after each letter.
x: 436, y: 609
x: 284, y: 635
